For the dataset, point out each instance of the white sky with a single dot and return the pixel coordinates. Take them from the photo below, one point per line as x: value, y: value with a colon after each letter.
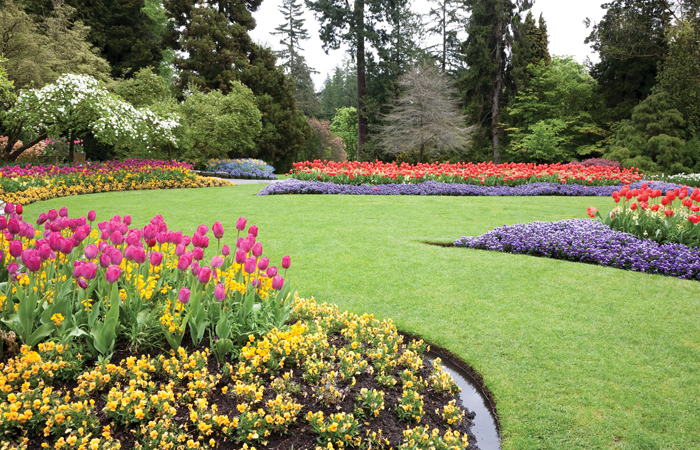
x: 564, y: 23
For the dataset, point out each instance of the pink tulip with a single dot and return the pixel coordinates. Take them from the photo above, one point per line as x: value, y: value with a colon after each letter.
x: 139, y: 255
x: 195, y: 268
x: 13, y: 226
x: 183, y: 263
x: 116, y: 257
x: 249, y: 266
x: 67, y: 246
x: 112, y: 273
x: 202, y: 229
x: 9, y: 208
x: 42, y: 218
x: 16, y: 249
x: 218, y: 230
x: 13, y: 267
x: 82, y: 283
x: 63, y: 212
x: 241, y: 257
x: 263, y: 263
x: 91, y: 251
x: 220, y: 292
x: 92, y: 215
x: 253, y: 230
x: 225, y: 250
x: 156, y: 258
x: 217, y: 261
x: 240, y: 223
x: 3, y: 222
x: 134, y: 237
x: 53, y: 214
x: 204, y: 275
x: 277, y: 283
x: 127, y: 220
x: 184, y: 295
x: 45, y: 252
x: 256, y: 282
x: 150, y: 232
x: 257, y: 249
x: 180, y: 250
x: 116, y: 238
x: 104, y: 261
x: 198, y: 253
x: 271, y: 271
x: 286, y: 262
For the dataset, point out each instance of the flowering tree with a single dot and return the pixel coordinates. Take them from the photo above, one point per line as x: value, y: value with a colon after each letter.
x: 77, y: 104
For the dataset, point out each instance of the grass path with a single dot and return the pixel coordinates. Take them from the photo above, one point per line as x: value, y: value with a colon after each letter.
x: 577, y: 356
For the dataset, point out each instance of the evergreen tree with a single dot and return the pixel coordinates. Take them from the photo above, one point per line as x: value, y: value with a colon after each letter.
x: 486, y: 54
x: 631, y: 43
x: 447, y: 20
x: 339, y: 91
x: 530, y: 46
x: 293, y: 31
x: 354, y: 24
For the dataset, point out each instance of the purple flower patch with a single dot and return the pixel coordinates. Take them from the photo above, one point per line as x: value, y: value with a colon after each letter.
x: 590, y: 242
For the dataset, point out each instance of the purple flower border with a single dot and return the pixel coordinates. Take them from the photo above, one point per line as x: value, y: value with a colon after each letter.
x: 293, y: 186
x: 591, y: 242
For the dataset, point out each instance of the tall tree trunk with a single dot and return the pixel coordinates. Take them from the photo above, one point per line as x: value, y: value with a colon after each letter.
x: 444, y: 35
x: 497, y: 86
x: 360, y: 32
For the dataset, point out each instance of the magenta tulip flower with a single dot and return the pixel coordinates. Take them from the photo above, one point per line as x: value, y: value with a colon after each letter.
x: 16, y: 248
x: 18, y: 210
x: 112, y: 273
x: 204, y: 275
x: 139, y: 255
x: 184, y: 295
x: 116, y: 257
x: 9, y: 208
x: 257, y: 250
x: 127, y: 220
x: 183, y: 263
x: 179, y: 250
x: 150, y: 232
x: 253, y: 230
x: 116, y: 238
x: 104, y: 261
x: 218, y: 230
x: 202, y: 229
x: 220, y: 292
x: 250, y: 264
x: 13, y: 267
x: 46, y: 253
x: 195, y: 268
x: 42, y: 218
x: 156, y: 258
x: 240, y: 223
x: 67, y: 246
x: 286, y: 262
x: 217, y: 261
x: 63, y: 212
x: 263, y: 263
x: 92, y: 215
x: 31, y: 260
x: 256, y: 282
x: 241, y: 257
x: 13, y: 226
x: 271, y: 271
x: 198, y: 253
x: 277, y: 283
x: 82, y: 283
x: 53, y: 215
x: 91, y: 251
x: 225, y: 250
x: 3, y: 222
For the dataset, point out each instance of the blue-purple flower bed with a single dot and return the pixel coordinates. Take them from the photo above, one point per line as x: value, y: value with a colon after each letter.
x: 589, y: 241
x: 293, y: 186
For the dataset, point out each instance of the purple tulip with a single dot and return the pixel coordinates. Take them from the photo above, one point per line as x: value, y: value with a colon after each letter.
x: 256, y: 282
x: 9, y: 208
x: 286, y: 262
x: 241, y: 257
x: 112, y: 273
x: 13, y: 267
x: 240, y: 223
x: 204, y: 275
x: 263, y: 263
x: 249, y: 266
x: 183, y: 263
x: 184, y: 295
x: 31, y: 260
x: 45, y: 252
x: 16, y: 248
x: 253, y: 230
x: 277, y: 283
x: 271, y: 271
x: 202, y: 229
x: 63, y: 212
x: 92, y: 215
x: 82, y: 283
x: 104, y: 261
x: 217, y: 261
x: 91, y: 251
x: 225, y: 250
x: 156, y: 258
x: 218, y: 230
x: 257, y: 249
x: 220, y: 292
x: 198, y: 254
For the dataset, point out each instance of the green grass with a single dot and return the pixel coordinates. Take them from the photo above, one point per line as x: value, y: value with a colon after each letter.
x: 577, y: 356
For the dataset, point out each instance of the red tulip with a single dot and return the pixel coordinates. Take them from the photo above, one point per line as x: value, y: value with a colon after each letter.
x: 633, y: 206
x: 668, y: 212
x: 591, y: 212
x: 694, y: 218
x: 655, y: 207
x: 18, y: 209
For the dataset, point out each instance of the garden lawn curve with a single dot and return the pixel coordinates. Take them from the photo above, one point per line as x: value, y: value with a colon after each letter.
x: 577, y: 356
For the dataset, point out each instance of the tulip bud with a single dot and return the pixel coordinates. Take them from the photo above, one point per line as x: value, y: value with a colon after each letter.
x: 249, y: 266
x: 204, y: 275
x: 271, y: 271
x: 104, y: 261
x: 156, y: 258
x: 18, y: 209
x: 91, y: 251
x: 225, y: 250
x: 92, y: 215
x: 198, y: 253
x: 63, y: 212
x: 277, y: 283
x: 218, y: 230
x: 240, y: 223
x: 263, y: 263
x: 9, y: 208
x: 241, y: 257
x: 184, y: 295
x: 220, y: 292
x: 82, y: 283
x: 253, y: 230
x: 113, y: 273
x: 286, y: 262
x: 183, y: 263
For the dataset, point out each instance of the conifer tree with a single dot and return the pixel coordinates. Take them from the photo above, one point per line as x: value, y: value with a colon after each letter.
x: 447, y: 20
x: 530, y: 46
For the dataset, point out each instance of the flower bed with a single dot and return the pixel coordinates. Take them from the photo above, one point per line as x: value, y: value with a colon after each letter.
x: 243, y: 168
x: 264, y: 369
x: 435, y: 188
x: 25, y: 185
x: 590, y: 242
x: 488, y: 174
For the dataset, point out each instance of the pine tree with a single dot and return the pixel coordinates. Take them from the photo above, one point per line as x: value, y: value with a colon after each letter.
x: 486, y: 54
x: 447, y: 18
x: 353, y: 24
x: 530, y: 46
x: 339, y: 91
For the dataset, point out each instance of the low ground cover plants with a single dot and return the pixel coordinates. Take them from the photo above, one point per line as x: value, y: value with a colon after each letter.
x: 487, y: 174
x: 264, y: 369
x: 27, y: 184
x: 246, y: 168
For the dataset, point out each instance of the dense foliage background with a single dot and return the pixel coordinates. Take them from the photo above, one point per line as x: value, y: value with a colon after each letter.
x: 194, y: 63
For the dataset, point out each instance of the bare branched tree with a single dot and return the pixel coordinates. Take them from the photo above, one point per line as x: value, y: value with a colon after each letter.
x: 426, y: 117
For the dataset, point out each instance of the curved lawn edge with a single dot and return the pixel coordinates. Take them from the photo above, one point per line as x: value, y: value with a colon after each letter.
x: 294, y: 186
x: 591, y: 242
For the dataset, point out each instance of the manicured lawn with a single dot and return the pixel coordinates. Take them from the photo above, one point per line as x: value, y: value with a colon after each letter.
x: 577, y: 356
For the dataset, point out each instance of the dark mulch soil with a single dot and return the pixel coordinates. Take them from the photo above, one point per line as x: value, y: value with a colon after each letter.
x: 300, y: 435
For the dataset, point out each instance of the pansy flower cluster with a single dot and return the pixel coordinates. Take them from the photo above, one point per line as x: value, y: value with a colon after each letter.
x: 246, y: 168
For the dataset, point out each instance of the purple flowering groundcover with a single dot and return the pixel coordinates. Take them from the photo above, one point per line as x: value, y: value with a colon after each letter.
x: 589, y: 241
x: 293, y: 186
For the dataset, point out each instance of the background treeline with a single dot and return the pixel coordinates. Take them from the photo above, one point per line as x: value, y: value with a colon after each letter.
x: 488, y: 89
